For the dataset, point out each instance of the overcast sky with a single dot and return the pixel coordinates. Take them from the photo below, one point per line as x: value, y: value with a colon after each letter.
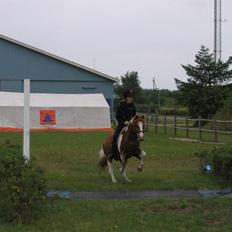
x: 153, y: 37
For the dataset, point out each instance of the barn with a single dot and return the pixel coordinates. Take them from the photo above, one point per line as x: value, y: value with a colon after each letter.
x: 48, y: 73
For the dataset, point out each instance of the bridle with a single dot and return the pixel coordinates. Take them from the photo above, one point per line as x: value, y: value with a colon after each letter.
x: 140, y: 131
x: 136, y: 132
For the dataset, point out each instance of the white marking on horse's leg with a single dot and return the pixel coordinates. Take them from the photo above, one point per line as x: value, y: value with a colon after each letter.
x: 119, y: 141
x: 123, y: 162
x: 119, y: 145
x: 125, y: 176
x: 141, y: 133
x: 101, y: 154
x: 143, y: 153
x: 111, y: 171
x: 141, y: 164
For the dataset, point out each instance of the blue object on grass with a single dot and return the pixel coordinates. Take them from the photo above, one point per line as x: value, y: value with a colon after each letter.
x: 60, y: 194
x: 215, y: 193
x: 208, y: 168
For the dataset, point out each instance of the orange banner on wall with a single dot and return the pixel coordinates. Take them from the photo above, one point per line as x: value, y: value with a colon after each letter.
x: 47, y: 117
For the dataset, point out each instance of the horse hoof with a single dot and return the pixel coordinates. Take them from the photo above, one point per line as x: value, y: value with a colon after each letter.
x: 140, y: 168
x: 129, y: 181
x: 114, y: 181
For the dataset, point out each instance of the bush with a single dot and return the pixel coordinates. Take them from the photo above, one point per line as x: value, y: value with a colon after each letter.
x: 22, y: 186
x: 220, y: 159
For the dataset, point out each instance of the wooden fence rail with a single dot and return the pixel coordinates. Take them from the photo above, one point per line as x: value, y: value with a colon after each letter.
x: 187, y: 124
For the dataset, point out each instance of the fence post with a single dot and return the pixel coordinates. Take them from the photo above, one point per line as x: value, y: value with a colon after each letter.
x: 147, y: 121
x: 215, y: 131
x: 199, y: 126
x: 175, y: 129
x: 165, y: 124
x: 156, y: 124
x: 187, y: 127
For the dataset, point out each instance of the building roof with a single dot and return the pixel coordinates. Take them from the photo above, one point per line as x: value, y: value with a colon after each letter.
x: 12, y: 99
x: 58, y: 58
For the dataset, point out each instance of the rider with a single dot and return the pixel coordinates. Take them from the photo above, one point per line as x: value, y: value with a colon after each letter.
x: 125, y: 112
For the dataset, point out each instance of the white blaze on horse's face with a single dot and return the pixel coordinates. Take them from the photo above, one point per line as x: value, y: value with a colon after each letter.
x: 141, y: 132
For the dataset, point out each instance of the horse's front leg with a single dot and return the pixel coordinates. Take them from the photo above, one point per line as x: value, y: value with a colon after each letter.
x: 141, y: 164
x: 123, y: 171
x: 111, y: 171
x: 125, y: 176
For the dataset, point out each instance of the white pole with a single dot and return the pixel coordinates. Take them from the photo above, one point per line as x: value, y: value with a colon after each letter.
x: 26, y: 120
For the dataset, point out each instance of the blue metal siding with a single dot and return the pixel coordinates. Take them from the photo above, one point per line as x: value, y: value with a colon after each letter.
x: 19, y: 62
x: 71, y: 87
x: 11, y: 85
x: 47, y: 74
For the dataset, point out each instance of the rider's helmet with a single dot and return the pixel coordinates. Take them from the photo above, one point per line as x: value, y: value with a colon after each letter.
x: 128, y: 93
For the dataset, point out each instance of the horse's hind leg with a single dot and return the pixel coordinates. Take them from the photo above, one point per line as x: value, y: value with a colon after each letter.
x: 111, y: 171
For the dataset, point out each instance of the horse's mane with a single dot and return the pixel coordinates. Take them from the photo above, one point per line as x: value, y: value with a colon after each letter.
x: 128, y: 126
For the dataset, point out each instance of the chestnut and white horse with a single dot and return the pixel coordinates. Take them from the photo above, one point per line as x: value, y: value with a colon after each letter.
x: 128, y: 145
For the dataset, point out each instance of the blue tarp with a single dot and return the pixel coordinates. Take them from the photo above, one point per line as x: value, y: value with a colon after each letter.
x: 215, y: 193
x: 60, y: 194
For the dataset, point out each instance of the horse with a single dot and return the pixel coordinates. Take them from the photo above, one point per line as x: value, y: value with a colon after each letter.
x: 128, y: 146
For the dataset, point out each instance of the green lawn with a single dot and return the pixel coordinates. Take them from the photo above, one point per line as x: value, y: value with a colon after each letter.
x: 70, y: 161
x: 212, y: 215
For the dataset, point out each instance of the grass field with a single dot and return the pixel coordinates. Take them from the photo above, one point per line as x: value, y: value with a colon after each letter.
x: 212, y: 215
x: 70, y: 163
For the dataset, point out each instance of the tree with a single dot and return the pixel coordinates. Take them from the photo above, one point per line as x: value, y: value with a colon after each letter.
x: 166, y: 97
x: 206, y: 86
x: 226, y: 112
x: 130, y: 80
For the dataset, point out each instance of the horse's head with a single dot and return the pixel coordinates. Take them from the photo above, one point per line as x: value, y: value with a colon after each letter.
x: 137, y: 127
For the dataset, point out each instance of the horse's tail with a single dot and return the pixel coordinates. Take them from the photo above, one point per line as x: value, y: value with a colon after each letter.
x: 103, y: 159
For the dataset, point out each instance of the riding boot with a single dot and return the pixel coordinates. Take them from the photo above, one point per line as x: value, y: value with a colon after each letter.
x: 114, y: 150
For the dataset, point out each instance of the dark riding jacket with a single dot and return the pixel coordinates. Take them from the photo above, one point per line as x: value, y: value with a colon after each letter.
x: 125, y: 112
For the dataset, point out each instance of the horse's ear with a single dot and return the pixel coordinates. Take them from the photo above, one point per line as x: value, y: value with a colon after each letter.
x: 136, y: 117
x: 142, y: 117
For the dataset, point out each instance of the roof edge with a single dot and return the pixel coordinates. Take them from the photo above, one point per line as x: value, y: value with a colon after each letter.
x: 58, y: 58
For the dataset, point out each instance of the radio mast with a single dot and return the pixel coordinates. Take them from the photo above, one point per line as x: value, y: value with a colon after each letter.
x: 217, y: 30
